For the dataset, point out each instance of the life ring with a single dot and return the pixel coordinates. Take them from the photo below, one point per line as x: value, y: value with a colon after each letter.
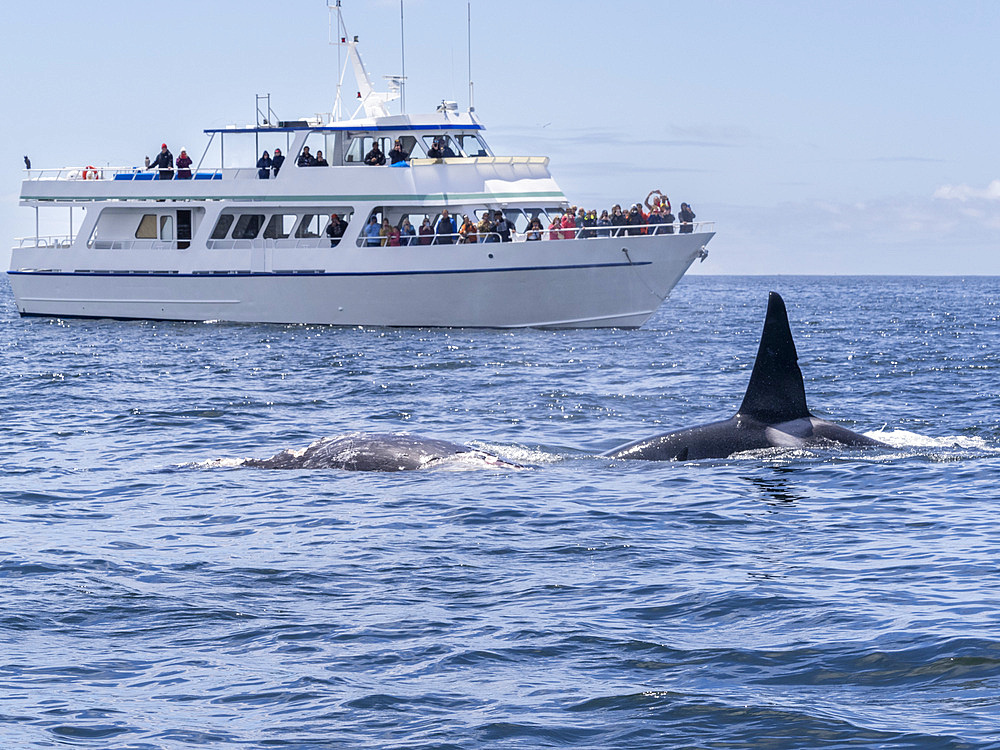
x: 89, y: 173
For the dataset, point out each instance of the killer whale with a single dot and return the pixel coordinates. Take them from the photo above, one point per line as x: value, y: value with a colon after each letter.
x: 360, y: 451
x: 773, y: 412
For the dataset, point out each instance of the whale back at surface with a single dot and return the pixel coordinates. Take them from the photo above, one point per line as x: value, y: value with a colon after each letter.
x: 377, y: 452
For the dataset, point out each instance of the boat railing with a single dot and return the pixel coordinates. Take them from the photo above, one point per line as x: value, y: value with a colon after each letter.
x: 140, y: 174
x: 630, y: 230
x: 137, y: 174
x: 47, y: 241
x: 530, y: 235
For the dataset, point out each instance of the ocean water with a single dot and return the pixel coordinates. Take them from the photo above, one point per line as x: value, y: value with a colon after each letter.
x: 155, y: 595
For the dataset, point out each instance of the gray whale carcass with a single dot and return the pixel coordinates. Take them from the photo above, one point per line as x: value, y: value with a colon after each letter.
x: 773, y: 413
x: 381, y: 452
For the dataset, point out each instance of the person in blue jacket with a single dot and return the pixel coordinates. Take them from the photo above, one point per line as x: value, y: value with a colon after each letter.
x: 372, y: 230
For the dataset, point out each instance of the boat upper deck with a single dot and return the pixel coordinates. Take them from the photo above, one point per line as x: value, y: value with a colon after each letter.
x: 229, y: 169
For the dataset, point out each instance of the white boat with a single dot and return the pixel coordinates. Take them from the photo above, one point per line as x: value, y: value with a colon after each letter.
x: 225, y: 244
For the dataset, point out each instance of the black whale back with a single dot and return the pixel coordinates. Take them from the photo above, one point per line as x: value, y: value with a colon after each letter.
x: 776, y: 392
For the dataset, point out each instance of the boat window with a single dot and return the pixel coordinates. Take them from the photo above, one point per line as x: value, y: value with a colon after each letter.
x: 517, y: 218
x: 314, y: 224
x: 319, y: 143
x: 280, y: 226
x: 147, y: 228
x: 309, y: 226
x: 445, y: 141
x: 530, y: 214
x: 166, y: 228
x: 354, y: 154
x: 362, y: 145
x: 183, y: 228
x: 222, y: 227
x: 248, y: 226
x: 410, y: 144
x: 472, y: 145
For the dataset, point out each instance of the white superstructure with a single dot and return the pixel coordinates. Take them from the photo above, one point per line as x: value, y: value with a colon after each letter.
x: 225, y: 244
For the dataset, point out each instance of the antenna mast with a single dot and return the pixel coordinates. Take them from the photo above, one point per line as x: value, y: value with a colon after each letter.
x: 339, y: 40
x: 402, y: 55
x: 472, y: 101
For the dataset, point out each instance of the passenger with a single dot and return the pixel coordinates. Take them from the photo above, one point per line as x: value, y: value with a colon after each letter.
x: 686, y: 216
x: 406, y: 234
x: 264, y: 166
x: 555, y: 228
x: 375, y: 157
x: 385, y: 231
x: 534, y: 231
x: 659, y: 199
x: 319, y: 161
x: 487, y: 229
x: 335, y: 229
x: 502, y: 227
x: 277, y: 161
x: 426, y: 232
x: 164, y: 161
x: 654, y: 220
x: 372, y: 229
x: 668, y: 221
x: 305, y: 158
x: 444, y: 234
x: 184, y: 165
x: 394, y: 236
x: 446, y: 149
x: 568, y: 225
x: 435, y: 151
x: 617, y: 221
x: 396, y: 154
x: 604, y: 225
x: 634, y: 221
x: 467, y: 232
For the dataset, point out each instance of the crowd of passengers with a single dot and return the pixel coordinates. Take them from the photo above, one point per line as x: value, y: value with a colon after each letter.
x: 495, y: 227
x: 268, y: 165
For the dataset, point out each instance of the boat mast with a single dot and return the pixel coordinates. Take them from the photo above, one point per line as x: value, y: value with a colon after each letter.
x: 372, y: 102
x: 472, y: 103
x: 402, y: 62
x: 341, y: 40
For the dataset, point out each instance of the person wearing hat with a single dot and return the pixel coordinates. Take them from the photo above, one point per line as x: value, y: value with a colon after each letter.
x: 264, y: 166
x: 183, y: 165
x: 277, y: 160
x: 164, y: 162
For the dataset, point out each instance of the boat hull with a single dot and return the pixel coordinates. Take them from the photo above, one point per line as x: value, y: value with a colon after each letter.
x: 582, y: 283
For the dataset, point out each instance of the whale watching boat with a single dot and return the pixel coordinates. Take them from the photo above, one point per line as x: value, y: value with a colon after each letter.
x: 225, y: 240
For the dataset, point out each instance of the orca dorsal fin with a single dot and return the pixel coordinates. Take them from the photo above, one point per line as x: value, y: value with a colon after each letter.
x: 776, y: 392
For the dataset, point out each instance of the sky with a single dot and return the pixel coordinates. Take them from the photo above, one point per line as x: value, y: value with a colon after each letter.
x: 820, y: 137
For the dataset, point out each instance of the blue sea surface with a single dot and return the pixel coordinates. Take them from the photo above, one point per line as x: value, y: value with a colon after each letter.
x: 154, y: 594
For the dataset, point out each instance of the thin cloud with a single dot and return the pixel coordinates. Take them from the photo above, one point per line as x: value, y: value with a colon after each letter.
x: 906, y: 160
x: 966, y: 192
